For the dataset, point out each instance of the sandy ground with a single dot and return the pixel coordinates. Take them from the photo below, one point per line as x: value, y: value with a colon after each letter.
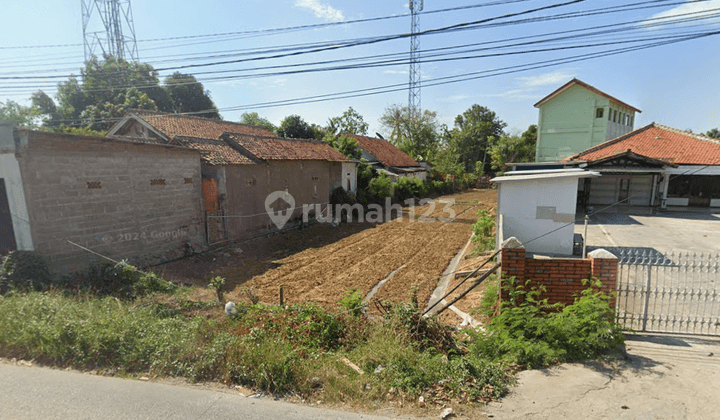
x: 323, y: 263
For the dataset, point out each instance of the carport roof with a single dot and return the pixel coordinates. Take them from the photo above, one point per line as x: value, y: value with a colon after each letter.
x: 658, y: 142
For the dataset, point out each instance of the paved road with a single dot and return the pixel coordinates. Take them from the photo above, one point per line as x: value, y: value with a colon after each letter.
x: 30, y: 393
x: 665, y: 377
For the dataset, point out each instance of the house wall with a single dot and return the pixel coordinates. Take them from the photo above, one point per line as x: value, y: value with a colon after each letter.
x: 349, y: 176
x: 309, y: 182
x: 562, y: 278
x: 99, y: 193
x: 531, y: 208
x: 569, y: 124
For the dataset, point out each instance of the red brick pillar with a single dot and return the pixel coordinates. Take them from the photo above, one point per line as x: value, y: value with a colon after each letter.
x: 512, y: 262
x: 604, y: 267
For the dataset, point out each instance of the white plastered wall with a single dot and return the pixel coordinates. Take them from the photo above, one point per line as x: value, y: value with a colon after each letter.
x: 10, y: 171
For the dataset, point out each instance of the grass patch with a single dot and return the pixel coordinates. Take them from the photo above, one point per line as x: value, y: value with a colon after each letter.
x: 300, y: 349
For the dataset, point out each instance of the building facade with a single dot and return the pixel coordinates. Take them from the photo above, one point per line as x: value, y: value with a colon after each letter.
x: 578, y: 116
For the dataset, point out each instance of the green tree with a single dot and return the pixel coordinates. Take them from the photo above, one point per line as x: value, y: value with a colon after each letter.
x: 350, y: 122
x: 344, y: 144
x: 252, y: 118
x: 294, y: 127
x: 714, y: 133
x: 107, y: 88
x: 474, y: 133
x: 514, y: 149
x: 24, y: 116
x: 414, y: 133
x: 187, y: 95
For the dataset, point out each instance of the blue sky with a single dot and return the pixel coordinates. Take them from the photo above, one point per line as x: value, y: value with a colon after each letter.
x: 675, y: 85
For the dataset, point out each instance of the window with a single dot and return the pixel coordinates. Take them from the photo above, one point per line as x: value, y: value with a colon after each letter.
x: 599, y: 113
x: 609, y: 114
x: 632, y: 121
x: 615, y: 115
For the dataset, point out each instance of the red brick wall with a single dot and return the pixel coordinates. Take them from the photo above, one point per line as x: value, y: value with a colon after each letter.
x: 561, y: 277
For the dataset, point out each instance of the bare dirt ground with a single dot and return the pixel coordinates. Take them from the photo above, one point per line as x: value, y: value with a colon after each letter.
x: 322, y: 263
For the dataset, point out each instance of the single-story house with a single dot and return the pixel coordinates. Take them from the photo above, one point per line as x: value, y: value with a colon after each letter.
x: 654, y: 165
x: 384, y: 156
x: 239, y: 172
x: 124, y: 199
x: 242, y: 165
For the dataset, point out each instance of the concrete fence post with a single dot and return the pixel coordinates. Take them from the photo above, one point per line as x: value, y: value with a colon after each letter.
x: 604, y: 267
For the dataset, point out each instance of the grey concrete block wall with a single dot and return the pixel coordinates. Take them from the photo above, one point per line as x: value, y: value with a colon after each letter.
x: 100, y: 193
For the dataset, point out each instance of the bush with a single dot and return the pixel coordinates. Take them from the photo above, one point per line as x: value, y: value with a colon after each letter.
x: 24, y: 270
x: 406, y: 188
x: 533, y: 333
x: 483, y: 237
x: 121, y: 280
x: 353, y: 302
x: 380, y: 188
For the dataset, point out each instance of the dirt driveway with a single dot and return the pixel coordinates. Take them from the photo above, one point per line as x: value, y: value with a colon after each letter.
x: 663, y: 377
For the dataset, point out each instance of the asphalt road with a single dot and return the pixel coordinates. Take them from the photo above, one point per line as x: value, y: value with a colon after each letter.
x: 29, y: 393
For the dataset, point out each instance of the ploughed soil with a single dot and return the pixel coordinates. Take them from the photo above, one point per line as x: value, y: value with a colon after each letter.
x: 322, y: 263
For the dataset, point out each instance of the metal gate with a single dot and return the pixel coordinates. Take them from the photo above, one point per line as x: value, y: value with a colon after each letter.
x: 672, y: 293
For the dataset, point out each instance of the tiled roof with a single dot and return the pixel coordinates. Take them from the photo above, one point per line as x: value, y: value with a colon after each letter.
x: 659, y: 142
x: 215, y: 152
x: 386, y: 153
x: 173, y: 125
x: 586, y: 86
x: 275, y: 148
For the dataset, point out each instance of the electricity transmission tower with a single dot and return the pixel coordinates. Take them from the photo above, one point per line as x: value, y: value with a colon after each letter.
x: 416, y: 6
x: 108, y: 26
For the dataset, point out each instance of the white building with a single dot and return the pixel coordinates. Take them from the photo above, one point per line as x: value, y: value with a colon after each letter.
x: 538, y: 208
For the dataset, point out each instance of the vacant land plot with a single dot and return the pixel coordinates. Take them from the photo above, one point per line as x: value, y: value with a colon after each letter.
x: 323, y: 263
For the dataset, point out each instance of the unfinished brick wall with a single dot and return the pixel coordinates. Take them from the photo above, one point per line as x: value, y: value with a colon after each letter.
x: 140, y: 202
x: 561, y: 277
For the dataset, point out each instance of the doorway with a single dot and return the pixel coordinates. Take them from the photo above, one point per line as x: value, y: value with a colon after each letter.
x: 7, y: 233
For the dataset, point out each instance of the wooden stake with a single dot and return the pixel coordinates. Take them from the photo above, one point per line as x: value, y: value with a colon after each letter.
x: 282, y: 297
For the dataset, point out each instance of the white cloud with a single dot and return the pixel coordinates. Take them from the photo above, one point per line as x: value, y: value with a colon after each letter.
x: 521, y: 94
x: 559, y: 77
x: 396, y: 72
x: 453, y: 98
x: 320, y: 10
x: 701, y: 8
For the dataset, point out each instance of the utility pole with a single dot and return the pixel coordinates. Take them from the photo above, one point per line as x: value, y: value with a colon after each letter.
x: 416, y: 6
x: 108, y: 29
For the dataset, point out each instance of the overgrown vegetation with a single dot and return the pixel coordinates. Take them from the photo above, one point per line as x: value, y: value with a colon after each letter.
x: 299, y: 349
x: 533, y: 333
x: 24, y: 270
x: 483, y: 235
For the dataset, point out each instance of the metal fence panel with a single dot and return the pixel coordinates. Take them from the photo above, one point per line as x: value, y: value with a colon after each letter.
x: 674, y: 293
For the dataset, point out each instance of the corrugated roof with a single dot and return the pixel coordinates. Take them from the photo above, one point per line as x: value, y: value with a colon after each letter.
x: 567, y: 85
x: 659, y: 142
x: 215, y: 152
x: 276, y: 148
x: 173, y: 125
x: 386, y: 153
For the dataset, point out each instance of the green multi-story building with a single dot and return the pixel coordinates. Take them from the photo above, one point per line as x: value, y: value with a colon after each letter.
x: 578, y: 116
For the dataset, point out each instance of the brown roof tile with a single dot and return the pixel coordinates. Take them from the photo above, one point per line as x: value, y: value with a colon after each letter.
x: 385, y: 151
x: 215, y: 152
x: 659, y: 142
x: 275, y: 148
x: 173, y: 125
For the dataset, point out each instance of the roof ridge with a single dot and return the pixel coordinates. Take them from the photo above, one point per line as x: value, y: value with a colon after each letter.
x: 696, y: 136
x: 587, y: 86
x: 195, y: 117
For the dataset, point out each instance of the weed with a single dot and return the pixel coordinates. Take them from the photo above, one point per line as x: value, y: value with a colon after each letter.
x: 353, y: 302
x: 483, y: 236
